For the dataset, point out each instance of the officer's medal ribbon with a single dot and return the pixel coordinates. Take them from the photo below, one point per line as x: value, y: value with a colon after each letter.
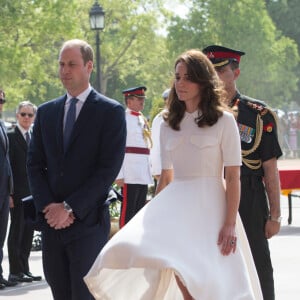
x: 246, y: 133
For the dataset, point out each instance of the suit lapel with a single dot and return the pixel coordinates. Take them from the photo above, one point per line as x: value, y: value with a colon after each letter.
x: 3, y: 137
x: 4, y: 144
x: 60, y: 121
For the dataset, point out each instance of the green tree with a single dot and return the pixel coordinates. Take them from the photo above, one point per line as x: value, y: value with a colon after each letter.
x: 30, y: 34
x: 158, y: 105
x: 285, y: 14
x: 32, y: 31
x: 133, y: 53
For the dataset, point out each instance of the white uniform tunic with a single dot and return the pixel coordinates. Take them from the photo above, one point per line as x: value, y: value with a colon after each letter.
x: 155, y: 150
x: 136, y: 166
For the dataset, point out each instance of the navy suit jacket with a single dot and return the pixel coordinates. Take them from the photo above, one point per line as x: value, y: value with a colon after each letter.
x: 5, y: 169
x: 83, y: 174
x: 17, y: 155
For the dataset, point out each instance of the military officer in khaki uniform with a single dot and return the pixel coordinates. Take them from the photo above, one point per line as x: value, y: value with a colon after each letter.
x: 260, y: 188
x: 135, y: 174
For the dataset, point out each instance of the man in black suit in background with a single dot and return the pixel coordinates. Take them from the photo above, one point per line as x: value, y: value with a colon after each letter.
x: 71, y: 167
x: 6, y: 187
x: 20, y: 235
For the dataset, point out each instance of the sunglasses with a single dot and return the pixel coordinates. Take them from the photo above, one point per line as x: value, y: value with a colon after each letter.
x: 2, y: 101
x: 22, y: 114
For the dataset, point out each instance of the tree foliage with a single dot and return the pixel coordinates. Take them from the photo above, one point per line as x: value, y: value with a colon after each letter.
x: 285, y: 14
x: 134, y: 53
x: 32, y: 32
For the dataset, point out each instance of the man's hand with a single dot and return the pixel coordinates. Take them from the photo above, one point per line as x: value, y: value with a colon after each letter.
x: 272, y: 184
x: 11, y: 202
x: 271, y: 228
x: 119, y: 182
x: 57, y: 217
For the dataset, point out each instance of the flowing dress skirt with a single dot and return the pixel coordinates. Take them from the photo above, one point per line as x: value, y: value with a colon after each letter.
x: 176, y: 233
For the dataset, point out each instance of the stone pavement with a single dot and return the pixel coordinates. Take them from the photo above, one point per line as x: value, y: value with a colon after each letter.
x: 37, y: 290
x: 285, y: 251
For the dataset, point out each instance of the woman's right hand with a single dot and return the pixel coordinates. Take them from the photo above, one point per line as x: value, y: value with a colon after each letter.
x: 227, y: 239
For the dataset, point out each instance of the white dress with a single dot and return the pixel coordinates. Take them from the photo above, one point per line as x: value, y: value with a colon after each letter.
x: 177, y: 232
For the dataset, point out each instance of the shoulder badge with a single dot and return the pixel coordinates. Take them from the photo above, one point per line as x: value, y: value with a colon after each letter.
x: 268, y: 127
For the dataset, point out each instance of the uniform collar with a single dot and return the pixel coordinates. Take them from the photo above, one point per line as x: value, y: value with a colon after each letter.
x: 235, y: 98
x: 134, y: 113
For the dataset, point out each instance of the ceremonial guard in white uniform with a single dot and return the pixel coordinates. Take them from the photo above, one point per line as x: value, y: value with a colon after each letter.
x: 155, y: 134
x: 135, y: 174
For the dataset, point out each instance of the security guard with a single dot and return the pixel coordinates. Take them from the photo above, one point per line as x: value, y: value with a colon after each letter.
x: 135, y: 174
x: 260, y: 188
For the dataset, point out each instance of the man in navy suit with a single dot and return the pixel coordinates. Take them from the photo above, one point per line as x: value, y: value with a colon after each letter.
x: 70, y: 176
x: 5, y: 190
x: 20, y: 235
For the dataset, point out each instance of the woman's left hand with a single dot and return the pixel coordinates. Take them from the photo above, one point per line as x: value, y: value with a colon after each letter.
x: 227, y: 239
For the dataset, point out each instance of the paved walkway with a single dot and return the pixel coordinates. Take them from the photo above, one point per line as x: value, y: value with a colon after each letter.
x: 285, y: 250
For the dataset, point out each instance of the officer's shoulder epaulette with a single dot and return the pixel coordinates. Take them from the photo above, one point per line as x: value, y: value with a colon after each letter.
x: 255, y: 104
x: 267, y: 114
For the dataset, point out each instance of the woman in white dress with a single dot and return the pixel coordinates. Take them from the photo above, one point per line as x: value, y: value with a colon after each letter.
x: 188, y: 242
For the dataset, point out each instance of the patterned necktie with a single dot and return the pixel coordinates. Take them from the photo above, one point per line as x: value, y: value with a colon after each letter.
x: 70, y: 120
x: 27, y: 137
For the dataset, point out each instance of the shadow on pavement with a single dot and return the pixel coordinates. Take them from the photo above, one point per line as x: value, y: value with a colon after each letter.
x: 24, y: 288
x: 289, y: 230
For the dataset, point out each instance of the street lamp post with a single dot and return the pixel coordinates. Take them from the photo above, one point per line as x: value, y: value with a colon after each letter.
x: 97, y: 23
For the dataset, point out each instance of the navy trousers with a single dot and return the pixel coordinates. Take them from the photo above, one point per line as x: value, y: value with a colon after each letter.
x: 4, y: 211
x: 254, y: 213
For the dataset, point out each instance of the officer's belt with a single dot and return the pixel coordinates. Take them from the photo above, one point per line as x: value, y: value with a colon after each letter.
x: 137, y: 150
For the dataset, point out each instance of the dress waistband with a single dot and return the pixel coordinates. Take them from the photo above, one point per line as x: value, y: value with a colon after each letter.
x: 137, y: 150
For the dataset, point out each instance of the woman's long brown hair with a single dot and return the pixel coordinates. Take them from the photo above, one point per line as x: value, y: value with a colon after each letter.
x: 199, y: 70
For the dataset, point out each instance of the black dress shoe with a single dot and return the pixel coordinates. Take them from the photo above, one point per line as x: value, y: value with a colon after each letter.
x: 4, y: 282
x: 2, y: 286
x: 34, y: 278
x: 21, y: 277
